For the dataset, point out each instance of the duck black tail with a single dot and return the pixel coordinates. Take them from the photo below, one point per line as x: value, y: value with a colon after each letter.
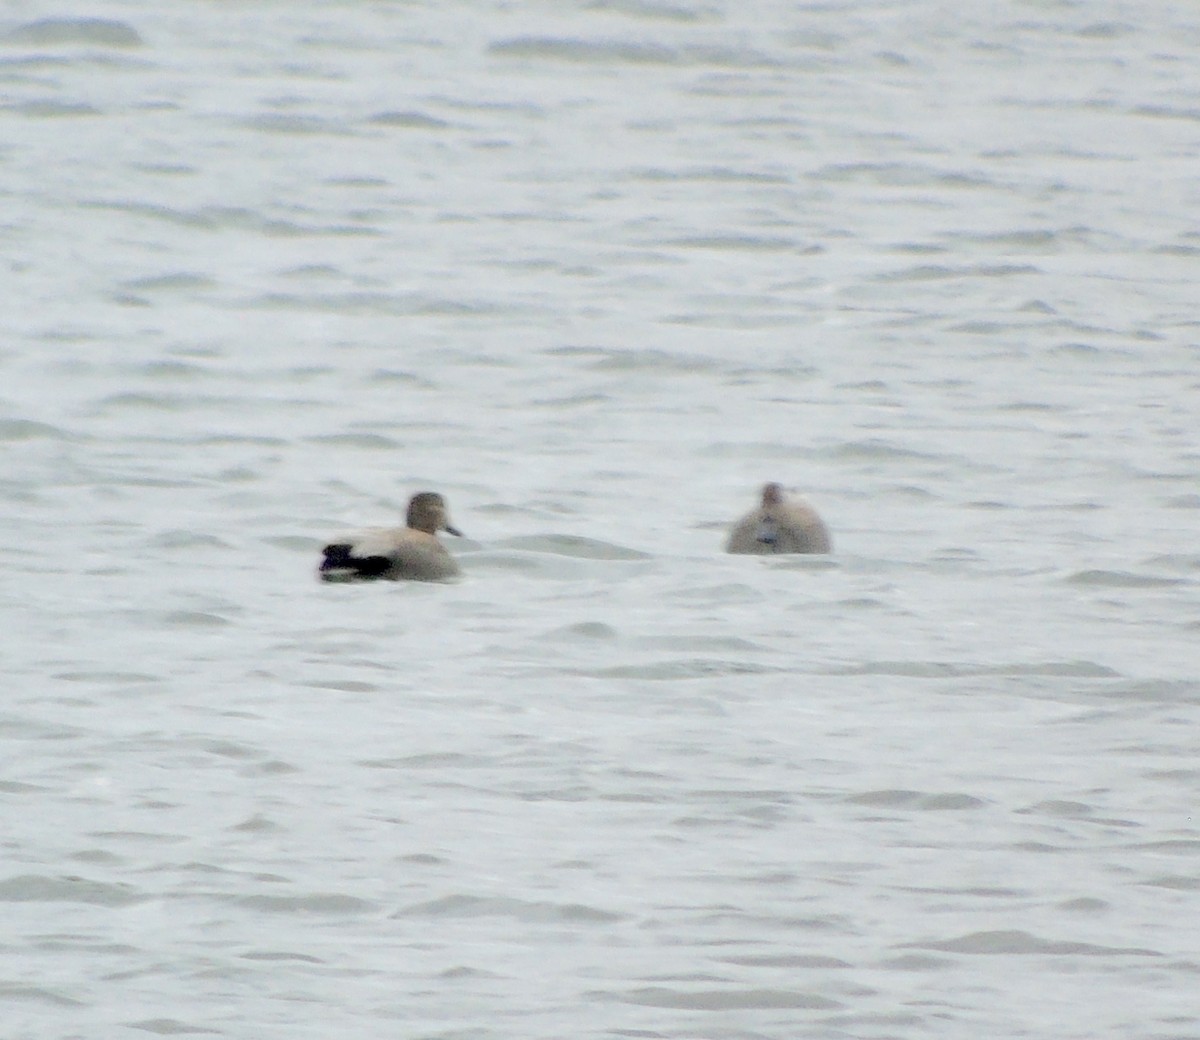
x: 340, y: 564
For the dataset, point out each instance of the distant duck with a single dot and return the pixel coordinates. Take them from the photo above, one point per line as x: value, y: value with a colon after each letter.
x: 779, y: 525
x: 396, y: 553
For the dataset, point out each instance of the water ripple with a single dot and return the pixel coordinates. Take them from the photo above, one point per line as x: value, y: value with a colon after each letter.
x: 40, y: 888
x: 1016, y: 942
x: 102, y: 32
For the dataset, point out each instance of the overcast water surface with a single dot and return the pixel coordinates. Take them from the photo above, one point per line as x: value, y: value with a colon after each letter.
x: 596, y: 272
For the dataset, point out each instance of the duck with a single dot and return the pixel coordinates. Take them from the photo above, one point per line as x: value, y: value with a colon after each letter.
x: 779, y: 525
x: 412, y: 552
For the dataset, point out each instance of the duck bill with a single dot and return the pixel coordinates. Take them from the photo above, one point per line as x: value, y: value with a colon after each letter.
x: 452, y: 530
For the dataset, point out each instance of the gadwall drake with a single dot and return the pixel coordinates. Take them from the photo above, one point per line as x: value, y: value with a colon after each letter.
x: 396, y: 553
x: 779, y: 525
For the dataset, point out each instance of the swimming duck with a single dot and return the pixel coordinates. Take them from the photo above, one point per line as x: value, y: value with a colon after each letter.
x: 779, y: 525
x: 412, y: 552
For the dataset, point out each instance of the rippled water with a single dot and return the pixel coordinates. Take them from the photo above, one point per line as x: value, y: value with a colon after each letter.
x: 596, y: 271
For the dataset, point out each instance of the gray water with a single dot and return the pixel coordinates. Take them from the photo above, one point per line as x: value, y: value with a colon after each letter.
x: 596, y: 271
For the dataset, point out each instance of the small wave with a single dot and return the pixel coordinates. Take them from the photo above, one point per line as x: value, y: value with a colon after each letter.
x: 1107, y: 30
x: 879, y: 449
x: 1121, y: 579
x: 951, y: 670
x: 1173, y: 249
x: 549, y: 566
x: 731, y: 644
x: 646, y: 9
x: 790, y: 453
x: 729, y: 999
x: 17, y: 787
x: 579, y: 400
x: 180, y: 280
x: 280, y: 955
x: 164, y: 401
x: 1035, y: 238
x: 171, y: 1027
x: 295, y: 542
x: 574, y: 546
x: 671, y: 671
x: 1161, y: 691
x: 391, y: 376
x: 983, y: 328
x: 799, y: 562
x: 1020, y: 942
x: 1175, y: 883
x: 371, y: 441
x: 332, y: 903
x: 1065, y: 669
x: 1085, y: 905
x: 899, y: 175
x: 857, y: 603
x: 1182, y: 846
x: 1060, y: 809
x: 632, y: 359
x: 250, y: 439
x: 916, y: 800
x: 589, y: 630
x: 343, y: 685
x: 707, y: 175
x: 279, y: 123
x: 103, y: 32
x: 30, y: 429
x: 408, y: 121
x: 755, y: 243
x: 367, y: 303
x: 629, y: 52
x: 455, y: 760
x: 194, y: 619
x: 1188, y: 501
x: 586, y: 51
x: 942, y: 272
x: 116, y: 678
x: 502, y: 906
x: 17, y: 991
x: 726, y: 594
x: 914, y: 492
x: 223, y: 218
x: 1168, y: 112
x: 1078, y: 350
x: 206, y: 217
x: 1027, y: 406
x: 786, y: 960
x: 56, y: 109
x: 37, y: 888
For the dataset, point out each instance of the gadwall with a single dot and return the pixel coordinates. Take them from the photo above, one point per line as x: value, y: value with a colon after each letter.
x: 779, y: 525
x: 396, y: 553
